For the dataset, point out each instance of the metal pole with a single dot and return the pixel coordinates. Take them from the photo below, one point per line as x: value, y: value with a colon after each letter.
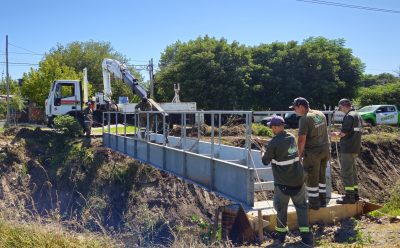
x: 7, y: 86
x: 248, y: 135
x: 163, y: 125
x: 151, y: 78
x: 116, y: 124
x: 102, y: 126
x: 212, y: 135
x: 184, y: 131
x: 125, y: 125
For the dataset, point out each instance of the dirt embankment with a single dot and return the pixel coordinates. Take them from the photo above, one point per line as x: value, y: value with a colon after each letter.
x: 378, y: 168
x: 88, y: 186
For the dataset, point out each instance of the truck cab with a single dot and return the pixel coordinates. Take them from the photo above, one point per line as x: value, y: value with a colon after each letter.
x: 380, y: 114
x: 65, y: 97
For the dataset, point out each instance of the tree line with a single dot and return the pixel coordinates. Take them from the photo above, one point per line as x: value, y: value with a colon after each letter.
x: 231, y: 76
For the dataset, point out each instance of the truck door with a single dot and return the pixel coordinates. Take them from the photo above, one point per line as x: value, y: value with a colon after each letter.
x: 386, y: 115
x: 66, y: 98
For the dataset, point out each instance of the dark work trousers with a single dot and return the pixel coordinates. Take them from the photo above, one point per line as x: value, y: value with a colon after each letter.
x: 349, y: 171
x: 281, y: 201
x: 315, y: 170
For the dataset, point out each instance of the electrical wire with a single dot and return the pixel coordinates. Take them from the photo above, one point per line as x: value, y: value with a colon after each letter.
x: 343, y: 5
x: 31, y: 52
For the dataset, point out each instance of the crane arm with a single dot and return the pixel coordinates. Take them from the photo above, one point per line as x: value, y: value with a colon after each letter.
x: 120, y: 71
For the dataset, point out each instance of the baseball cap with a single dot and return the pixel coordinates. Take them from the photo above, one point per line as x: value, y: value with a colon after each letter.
x: 344, y: 101
x: 276, y: 121
x: 300, y: 101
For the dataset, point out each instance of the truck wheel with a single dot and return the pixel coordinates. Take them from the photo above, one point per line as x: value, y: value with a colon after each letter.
x: 370, y: 122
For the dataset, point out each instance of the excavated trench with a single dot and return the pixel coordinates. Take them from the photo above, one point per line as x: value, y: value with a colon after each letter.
x: 99, y: 188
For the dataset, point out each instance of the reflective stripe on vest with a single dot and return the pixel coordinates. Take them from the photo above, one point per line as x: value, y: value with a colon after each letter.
x: 286, y: 162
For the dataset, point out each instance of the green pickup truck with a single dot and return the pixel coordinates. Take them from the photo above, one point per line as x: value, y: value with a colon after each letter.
x: 380, y: 114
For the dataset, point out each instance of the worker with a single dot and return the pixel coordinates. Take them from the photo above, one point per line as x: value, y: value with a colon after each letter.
x: 314, y: 150
x: 282, y: 153
x: 88, y: 118
x: 350, y: 146
x: 144, y: 105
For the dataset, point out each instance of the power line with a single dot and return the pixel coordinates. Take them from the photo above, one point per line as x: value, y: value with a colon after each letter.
x: 18, y: 63
x: 343, y: 5
x: 35, y: 53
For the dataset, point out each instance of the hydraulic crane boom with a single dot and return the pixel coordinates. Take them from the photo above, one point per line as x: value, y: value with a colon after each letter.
x: 120, y: 71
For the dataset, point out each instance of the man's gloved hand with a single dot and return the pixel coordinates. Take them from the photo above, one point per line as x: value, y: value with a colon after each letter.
x: 262, y: 151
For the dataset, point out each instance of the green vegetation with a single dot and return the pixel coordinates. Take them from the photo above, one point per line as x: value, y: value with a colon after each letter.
x: 221, y: 75
x: 205, y: 229
x: 261, y: 130
x: 37, y: 235
x: 37, y: 83
x: 392, y: 206
x: 379, y: 94
x: 67, y: 62
x: 382, y: 134
x: 68, y: 125
x: 360, y: 238
x: 17, y: 103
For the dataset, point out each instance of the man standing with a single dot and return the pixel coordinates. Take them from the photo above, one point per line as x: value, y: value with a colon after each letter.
x: 88, y: 118
x: 350, y: 146
x: 314, y: 148
x: 282, y: 153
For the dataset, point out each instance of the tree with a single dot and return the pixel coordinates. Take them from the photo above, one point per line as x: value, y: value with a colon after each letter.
x: 37, y: 83
x: 379, y: 94
x: 218, y: 75
x: 211, y: 72
x: 319, y: 69
x: 78, y: 55
x: 380, y: 79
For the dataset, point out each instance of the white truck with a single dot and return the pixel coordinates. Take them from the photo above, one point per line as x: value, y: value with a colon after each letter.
x: 68, y: 97
x: 380, y: 114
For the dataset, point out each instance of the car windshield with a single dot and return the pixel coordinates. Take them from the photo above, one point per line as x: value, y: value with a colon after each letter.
x: 368, y: 108
x: 288, y: 115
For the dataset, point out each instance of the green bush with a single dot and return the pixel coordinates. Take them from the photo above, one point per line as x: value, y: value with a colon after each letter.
x: 68, y: 125
x: 261, y: 130
x: 392, y: 206
x: 380, y: 94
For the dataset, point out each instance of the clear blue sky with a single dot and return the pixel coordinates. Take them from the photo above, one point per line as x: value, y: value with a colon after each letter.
x: 141, y: 30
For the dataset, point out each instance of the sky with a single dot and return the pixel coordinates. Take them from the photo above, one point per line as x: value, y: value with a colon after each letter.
x: 141, y: 30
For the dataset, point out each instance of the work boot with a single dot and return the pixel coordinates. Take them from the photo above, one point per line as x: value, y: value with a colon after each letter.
x: 356, y: 195
x: 307, y: 239
x: 313, y: 203
x: 322, y: 200
x: 347, y: 199
x: 278, y: 237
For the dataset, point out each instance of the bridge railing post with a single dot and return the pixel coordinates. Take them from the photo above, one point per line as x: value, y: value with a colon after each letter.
x: 212, y: 135
x: 124, y: 124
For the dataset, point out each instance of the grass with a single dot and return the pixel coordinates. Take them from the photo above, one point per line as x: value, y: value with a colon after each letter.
x: 37, y: 235
x: 392, y: 206
x: 129, y: 130
x: 380, y: 138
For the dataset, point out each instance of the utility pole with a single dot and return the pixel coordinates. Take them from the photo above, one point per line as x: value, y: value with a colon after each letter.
x: 151, y: 75
x: 7, y: 87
